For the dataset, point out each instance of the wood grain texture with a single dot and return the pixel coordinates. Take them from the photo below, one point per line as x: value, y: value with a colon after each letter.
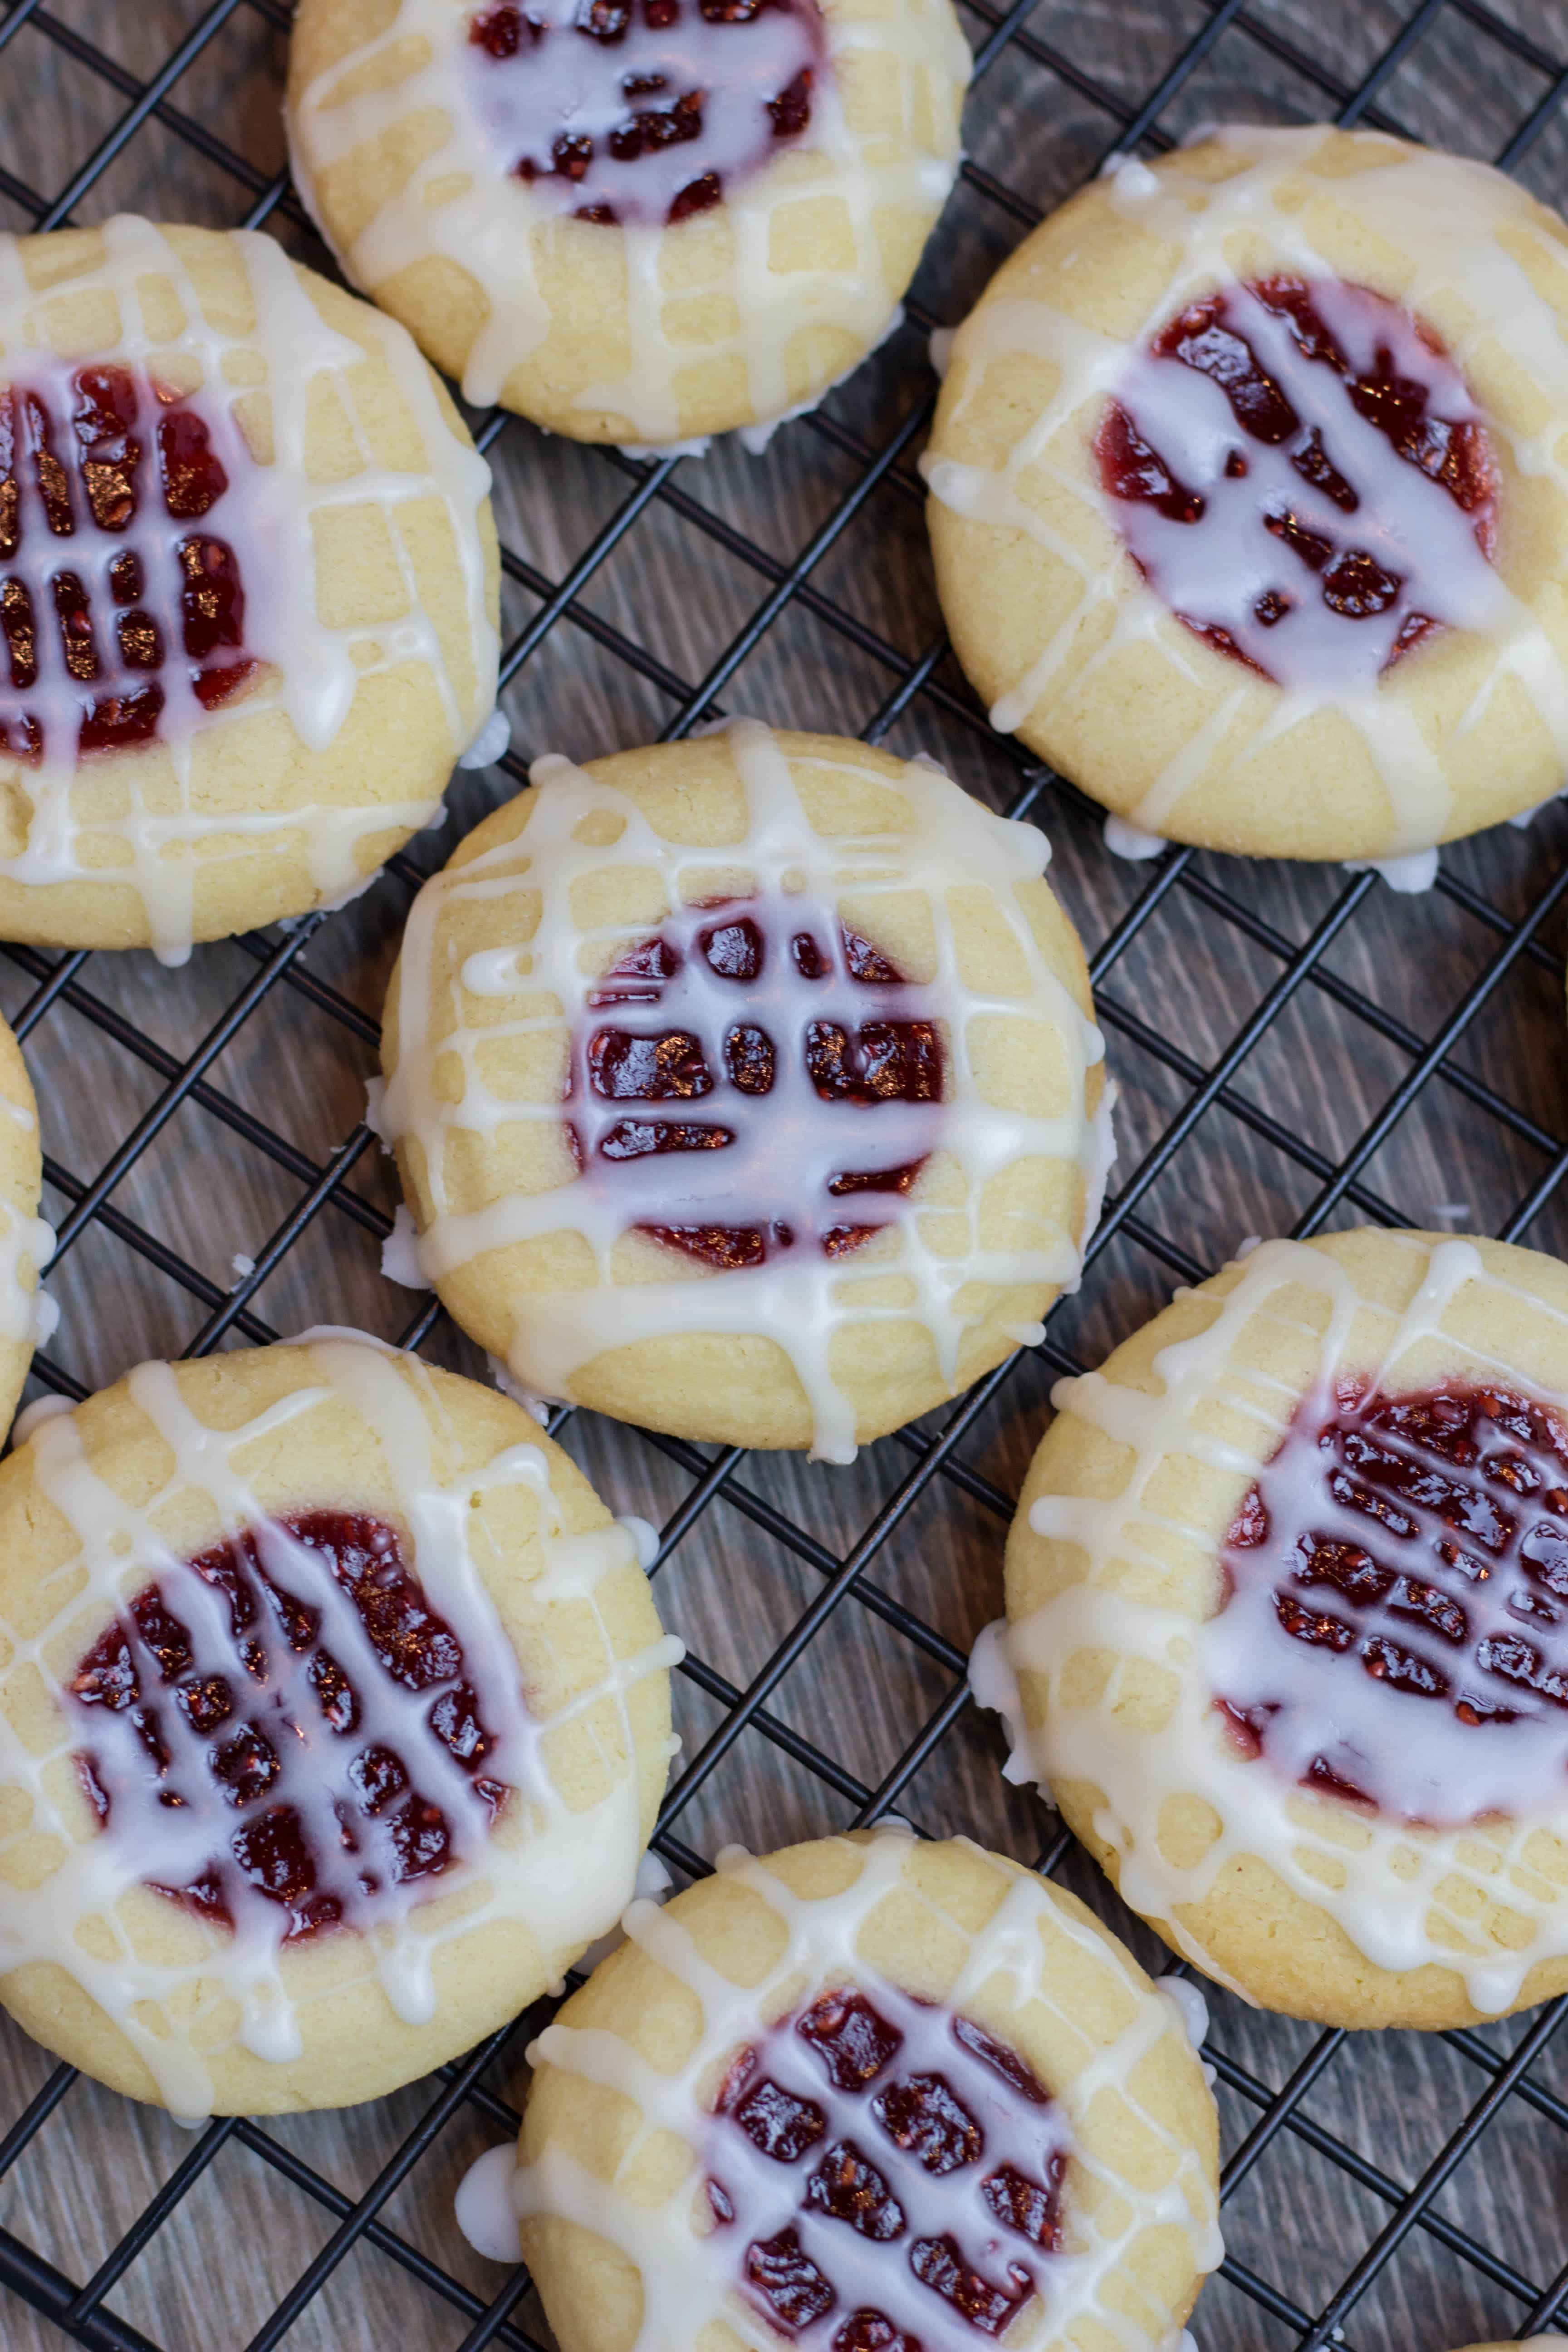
x: 655, y: 622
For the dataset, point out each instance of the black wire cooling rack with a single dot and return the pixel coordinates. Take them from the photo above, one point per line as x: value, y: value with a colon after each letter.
x: 1296, y: 1048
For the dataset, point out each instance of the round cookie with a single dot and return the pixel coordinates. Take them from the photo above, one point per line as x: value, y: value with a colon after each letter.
x: 27, y: 1316
x: 334, y: 1723
x: 1249, y: 495
x: 1282, y: 1593
x: 747, y: 1087
x: 863, y: 2091
x: 726, y: 228
x: 248, y: 587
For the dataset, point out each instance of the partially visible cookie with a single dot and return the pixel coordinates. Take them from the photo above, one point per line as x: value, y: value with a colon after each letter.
x: 333, y: 1722
x: 747, y: 1087
x: 1249, y: 503
x: 1285, y: 1595
x: 26, y: 1242
x: 862, y: 2093
x: 249, y: 587
x: 639, y: 221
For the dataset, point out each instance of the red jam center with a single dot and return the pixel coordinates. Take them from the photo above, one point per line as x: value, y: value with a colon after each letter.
x: 269, y: 1714
x: 1288, y: 457
x: 1396, y: 1629
x: 803, y: 1104
x: 644, y: 111
x: 891, y: 2176
x: 104, y: 588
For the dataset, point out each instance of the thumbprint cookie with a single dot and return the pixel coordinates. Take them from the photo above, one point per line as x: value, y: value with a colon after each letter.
x: 746, y: 1088
x: 1249, y: 495
x: 1283, y: 1593
x: 247, y: 587
x: 863, y: 2095
x: 636, y: 221
x: 333, y: 1722
x: 27, y: 1316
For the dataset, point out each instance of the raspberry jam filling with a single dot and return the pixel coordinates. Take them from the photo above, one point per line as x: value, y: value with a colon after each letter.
x: 1395, y: 1632
x: 1300, y: 471
x: 286, y: 1720
x: 790, y: 1071
x: 889, y: 2176
x: 639, y: 111
x: 114, y: 608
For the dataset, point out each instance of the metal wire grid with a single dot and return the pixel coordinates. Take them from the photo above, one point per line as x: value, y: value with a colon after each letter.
x: 1285, y: 2128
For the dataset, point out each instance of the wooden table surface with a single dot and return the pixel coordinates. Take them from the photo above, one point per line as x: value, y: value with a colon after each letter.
x: 649, y: 627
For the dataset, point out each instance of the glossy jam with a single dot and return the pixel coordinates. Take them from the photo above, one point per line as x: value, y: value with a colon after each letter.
x: 1289, y: 458
x: 643, y: 110
x: 889, y: 2174
x: 775, y: 1102
x: 284, y: 1700
x: 1396, y: 1630
x: 101, y: 591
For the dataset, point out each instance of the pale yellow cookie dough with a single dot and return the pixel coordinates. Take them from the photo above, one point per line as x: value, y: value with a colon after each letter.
x: 368, y: 559
x: 543, y: 1267
x: 1049, y: 613
x: 179, y: 1456
x: 25, y: 1241
x: 638, y: 333
x: 611, y: 2179
x: 1255, y: 1880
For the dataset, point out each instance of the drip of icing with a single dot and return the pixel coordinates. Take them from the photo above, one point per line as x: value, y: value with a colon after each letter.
x: 568, y: 1873
x: 689, y: 2279
x: 1405, y: 1893
x: 42, y: 1409
x: 491, y: 743
x: 1411, y: 875
x: 1188, y: 1998
x: 464, y: 203
x: 1433, y: 209
x: 538, y: 1407
x: 400, y: 1253
x: 1124, y: 840
x: 28, y: 1313
x: 795, y: 1297
x: 270, y: 515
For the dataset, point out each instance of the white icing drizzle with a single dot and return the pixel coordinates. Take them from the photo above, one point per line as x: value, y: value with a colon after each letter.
x: 464, y: 203
x: 1439, y: 210
x: 688, y: 2272
x: 565, y: 1875
x: 1412, y: 876
x: 1405, y: 1893
x: 26, y: 1246
x: 1214, y: 571
x: 563, y: 81
x: 1124, y: 840
x: 798, y: 1297
x: 271, y: 514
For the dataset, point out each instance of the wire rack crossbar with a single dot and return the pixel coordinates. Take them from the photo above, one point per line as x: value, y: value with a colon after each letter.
x: 1220, y: 1088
